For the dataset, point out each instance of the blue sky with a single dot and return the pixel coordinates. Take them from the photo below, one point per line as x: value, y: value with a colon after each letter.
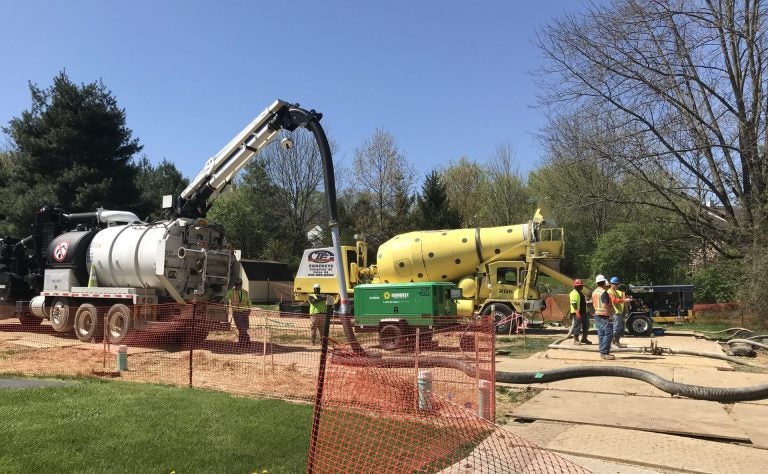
x: 445, y: 78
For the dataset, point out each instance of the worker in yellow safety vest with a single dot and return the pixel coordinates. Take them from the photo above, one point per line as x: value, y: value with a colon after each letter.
x: 618, y: 301
x: 579, y: 315
x: 239, y: 302
x: 601, y: 304
x: 317, y: 309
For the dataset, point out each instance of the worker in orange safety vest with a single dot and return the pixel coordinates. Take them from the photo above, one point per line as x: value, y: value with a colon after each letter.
x: 601, y: 304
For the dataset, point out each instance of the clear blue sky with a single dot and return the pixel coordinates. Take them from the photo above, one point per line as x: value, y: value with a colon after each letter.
x: 445, y: 78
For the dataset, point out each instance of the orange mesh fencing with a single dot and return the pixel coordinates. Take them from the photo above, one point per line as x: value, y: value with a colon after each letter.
x: 428, y: 406
x: 426, y: 403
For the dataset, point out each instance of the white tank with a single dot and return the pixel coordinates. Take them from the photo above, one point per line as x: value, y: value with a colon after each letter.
x: 184, y: 259
x: 126, y: 255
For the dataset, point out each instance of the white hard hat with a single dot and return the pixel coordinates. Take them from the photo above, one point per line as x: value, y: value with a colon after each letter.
x: 317, y: 286
x: 599, y: 279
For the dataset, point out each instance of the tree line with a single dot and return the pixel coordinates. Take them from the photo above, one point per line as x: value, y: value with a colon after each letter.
x: 653, y: 158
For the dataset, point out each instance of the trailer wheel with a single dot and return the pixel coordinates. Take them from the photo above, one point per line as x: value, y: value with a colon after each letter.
x: 390, y: 337
x: 501, y: 317
x: 88, y: 324
x: 61, y: 319
x: 640, y: 325
x: 118, y: 323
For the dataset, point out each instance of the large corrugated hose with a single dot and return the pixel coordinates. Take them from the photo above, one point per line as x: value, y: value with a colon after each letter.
x: 716, y: 394
x: 698, y: 392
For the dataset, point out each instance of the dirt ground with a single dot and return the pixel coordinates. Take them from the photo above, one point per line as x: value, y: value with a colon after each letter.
x: 279, y: 362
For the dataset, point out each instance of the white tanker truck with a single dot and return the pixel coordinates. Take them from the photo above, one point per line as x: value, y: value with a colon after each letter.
x: 108, y: 265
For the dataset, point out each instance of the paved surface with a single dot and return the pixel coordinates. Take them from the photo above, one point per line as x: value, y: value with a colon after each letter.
x: 611, y: 449
x: 31, y: 383
x: 681, y: 416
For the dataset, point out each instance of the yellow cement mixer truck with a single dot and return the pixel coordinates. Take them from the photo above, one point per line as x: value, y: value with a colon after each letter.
x: 496, y: 269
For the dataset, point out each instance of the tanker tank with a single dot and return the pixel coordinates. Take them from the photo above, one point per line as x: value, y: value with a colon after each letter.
x: 448, y: 255
x: 184, y: 259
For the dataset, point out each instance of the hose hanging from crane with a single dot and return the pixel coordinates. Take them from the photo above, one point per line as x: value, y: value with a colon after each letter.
x: 310, y: 120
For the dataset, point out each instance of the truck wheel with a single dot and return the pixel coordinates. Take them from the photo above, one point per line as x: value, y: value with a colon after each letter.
x: 390, y: 337
x: 640, y: 325
x: 61, y: 319
x: 88, y: 325
x: 118, y: 323
x: 501, y: 312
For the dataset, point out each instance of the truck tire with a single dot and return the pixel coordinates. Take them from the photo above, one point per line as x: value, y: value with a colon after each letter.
x: 61, y: 316
x: 390, y: 337
x: 501, y: 311
x: 89, y: 326
x: 640, y: 325
x: 118, y: 323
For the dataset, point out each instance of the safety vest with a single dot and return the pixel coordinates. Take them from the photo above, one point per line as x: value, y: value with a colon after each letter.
x: 238, y: 299
x: 317, y: 304
x: 618, y: 308
x: 577, y: 301
x: 597, y: 303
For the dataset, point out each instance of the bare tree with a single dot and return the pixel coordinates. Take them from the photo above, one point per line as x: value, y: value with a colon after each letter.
x: 384, y: 181
x: 297, y: 176
x: 508, y: 194
x: 674, y: 95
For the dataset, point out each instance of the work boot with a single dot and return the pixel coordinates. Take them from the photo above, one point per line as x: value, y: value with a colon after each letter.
x: 586, y: 341
x: 618, y: 344
x: 607, y: 356
x: 576, y: 341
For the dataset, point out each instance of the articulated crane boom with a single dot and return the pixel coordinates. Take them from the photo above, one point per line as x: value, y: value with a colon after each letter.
x: 221, y: 168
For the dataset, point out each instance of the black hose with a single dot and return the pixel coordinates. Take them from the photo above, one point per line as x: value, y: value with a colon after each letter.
x: 311, y: 121
x: 698, y: 392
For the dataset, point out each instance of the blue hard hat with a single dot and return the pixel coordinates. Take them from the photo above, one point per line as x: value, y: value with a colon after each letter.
x: 614, y: 280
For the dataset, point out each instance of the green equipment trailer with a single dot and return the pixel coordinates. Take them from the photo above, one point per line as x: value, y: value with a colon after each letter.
x: 396, y: 310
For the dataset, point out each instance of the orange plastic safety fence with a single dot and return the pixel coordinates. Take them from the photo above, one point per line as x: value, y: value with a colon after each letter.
x: 425, y: 406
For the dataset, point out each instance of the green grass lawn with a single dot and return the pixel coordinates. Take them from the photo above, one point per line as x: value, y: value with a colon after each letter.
x: 109, y: 426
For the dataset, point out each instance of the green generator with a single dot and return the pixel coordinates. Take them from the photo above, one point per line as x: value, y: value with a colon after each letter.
x: 430, y: 304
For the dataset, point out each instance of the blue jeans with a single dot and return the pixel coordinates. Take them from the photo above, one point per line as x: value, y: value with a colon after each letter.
x: 604, y: 334
x: 618, y: 325
x: 580, y: 325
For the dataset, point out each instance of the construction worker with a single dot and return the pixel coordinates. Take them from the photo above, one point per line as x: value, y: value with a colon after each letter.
x: 239, y: 302
x: 579, y: 315
x: 603, y: 309
x: 618, y: 301
x: 317, y: 308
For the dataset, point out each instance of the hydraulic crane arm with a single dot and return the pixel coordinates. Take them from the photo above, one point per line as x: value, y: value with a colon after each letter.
x: 220, y: 169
